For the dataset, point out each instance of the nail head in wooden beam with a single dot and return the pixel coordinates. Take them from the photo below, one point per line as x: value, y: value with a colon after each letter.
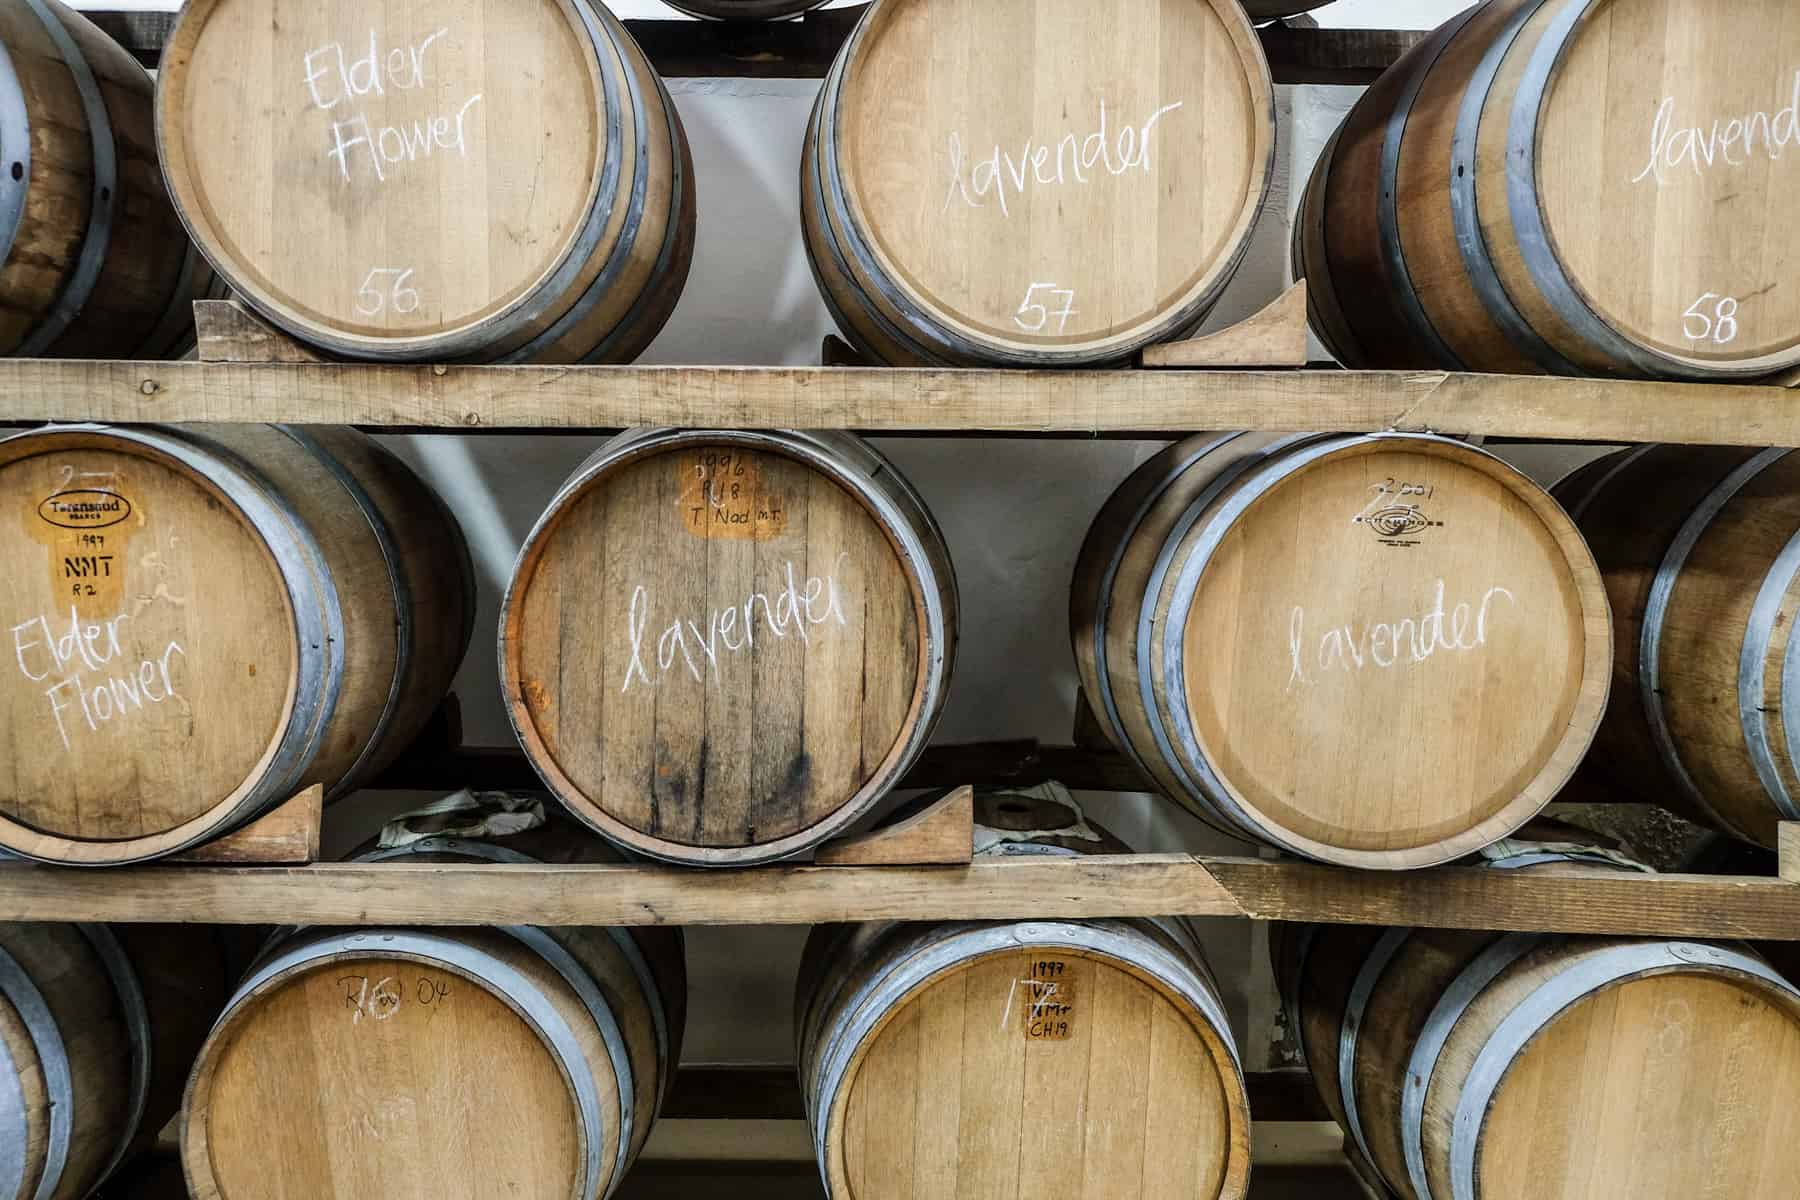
x: 943, y: 834
x: 230, y: 333
x: 1789, y: 848
x: 1274, y: 337
x: 287, y: 836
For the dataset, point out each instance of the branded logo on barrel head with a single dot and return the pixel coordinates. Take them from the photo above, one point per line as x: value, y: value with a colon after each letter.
x: 85, y: 509
x: 1395, y: 514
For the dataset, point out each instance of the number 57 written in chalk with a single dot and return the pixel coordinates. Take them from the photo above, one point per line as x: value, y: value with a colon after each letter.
x: 1029, y: 306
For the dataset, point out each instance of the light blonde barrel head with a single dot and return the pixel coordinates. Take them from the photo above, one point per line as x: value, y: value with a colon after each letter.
x: 1396, y: 654
x: 382, y: 176
x: 1666, y: 185
x: 1049, y: 177
x: 713, y: 646
x: 1040, y: 1070
x: 1662, y: 1088
x: 150, y: 643
x: 382, y: 1077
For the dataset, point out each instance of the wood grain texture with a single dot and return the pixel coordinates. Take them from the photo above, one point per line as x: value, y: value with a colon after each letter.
x: 1023, y: 403
x: 1544, y: 210
x: 98, y: 264
x: 1656, y: 1049
x: 1274, y: 337
x: 344, y: 894
x: 724, y: 648
x: 1136, y: 885
x: 1051, y: 1026
x: 941, y: 834
x: 209, y: 621
x: 1703, y: 722
x: 335, y: 1040
x: 288, y: 835
x: 1240, y: 588
x: 1790, y: 851
x: 1141, y: 140
x: 229, y: 332
x: 93, y: 1042
x: 415, y: 194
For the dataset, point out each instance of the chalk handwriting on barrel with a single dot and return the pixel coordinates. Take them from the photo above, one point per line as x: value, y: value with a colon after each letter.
x: 1721, y: 325
x: 384, y: 288
x: 1730, y: 140
x: 73, y: 655
x: 1059, y: 163
x: 797, y: 605
x: 382, y: 998
x: 336, y: 81
x: 1400, y: 642
x: 1037, y: 323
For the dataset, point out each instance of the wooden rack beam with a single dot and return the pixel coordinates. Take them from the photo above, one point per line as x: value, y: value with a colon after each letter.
x: 380, y: 894
x: 890, y: 401
x: 804, y: 49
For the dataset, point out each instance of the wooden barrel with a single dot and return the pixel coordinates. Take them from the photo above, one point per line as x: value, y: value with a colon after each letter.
x: 1062, y: 187
x: 1700, y: 550
x: 1568, y: 187
x: 97, y: 264
x: 935, y: 1059
x: 1526, y: 1066
x: 98, y: 1027
x: 390, y: 1061
x: 205, y: 620
x: 724, y: 647
x: 394, y: 185
x: 1378, y: 651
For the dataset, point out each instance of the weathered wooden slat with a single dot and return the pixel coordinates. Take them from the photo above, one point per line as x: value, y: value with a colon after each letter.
x: 888, y: 401
x: 1596, y: 900
x: 452, y: 894
x: 804, y: 49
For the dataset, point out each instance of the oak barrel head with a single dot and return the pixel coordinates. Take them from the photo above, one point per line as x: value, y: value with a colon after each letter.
x: 951, y: 1055
x: 414, y: 179
x: 382, y: 1075
x: 152, y: 642
x: 720, y: 648
x: 1664, y: 188
x: 1665, y: 1087
x: 1387, y: 652
x: 1024, y: 183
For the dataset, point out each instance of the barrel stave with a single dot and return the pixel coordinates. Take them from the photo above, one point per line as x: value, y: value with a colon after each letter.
x: 889, y: 250
x: 1235, y: 580
x: 711, y: 548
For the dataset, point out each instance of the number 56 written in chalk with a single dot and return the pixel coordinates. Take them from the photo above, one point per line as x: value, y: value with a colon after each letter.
x: 386, y: 287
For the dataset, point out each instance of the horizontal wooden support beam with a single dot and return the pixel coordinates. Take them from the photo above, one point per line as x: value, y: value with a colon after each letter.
x: 891, y: 401
x: 488, y: 894
x: 1583, y: 901
x: 804, y: 49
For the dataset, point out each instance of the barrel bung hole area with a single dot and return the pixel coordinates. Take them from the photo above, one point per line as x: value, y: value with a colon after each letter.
x: 822, y: 600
